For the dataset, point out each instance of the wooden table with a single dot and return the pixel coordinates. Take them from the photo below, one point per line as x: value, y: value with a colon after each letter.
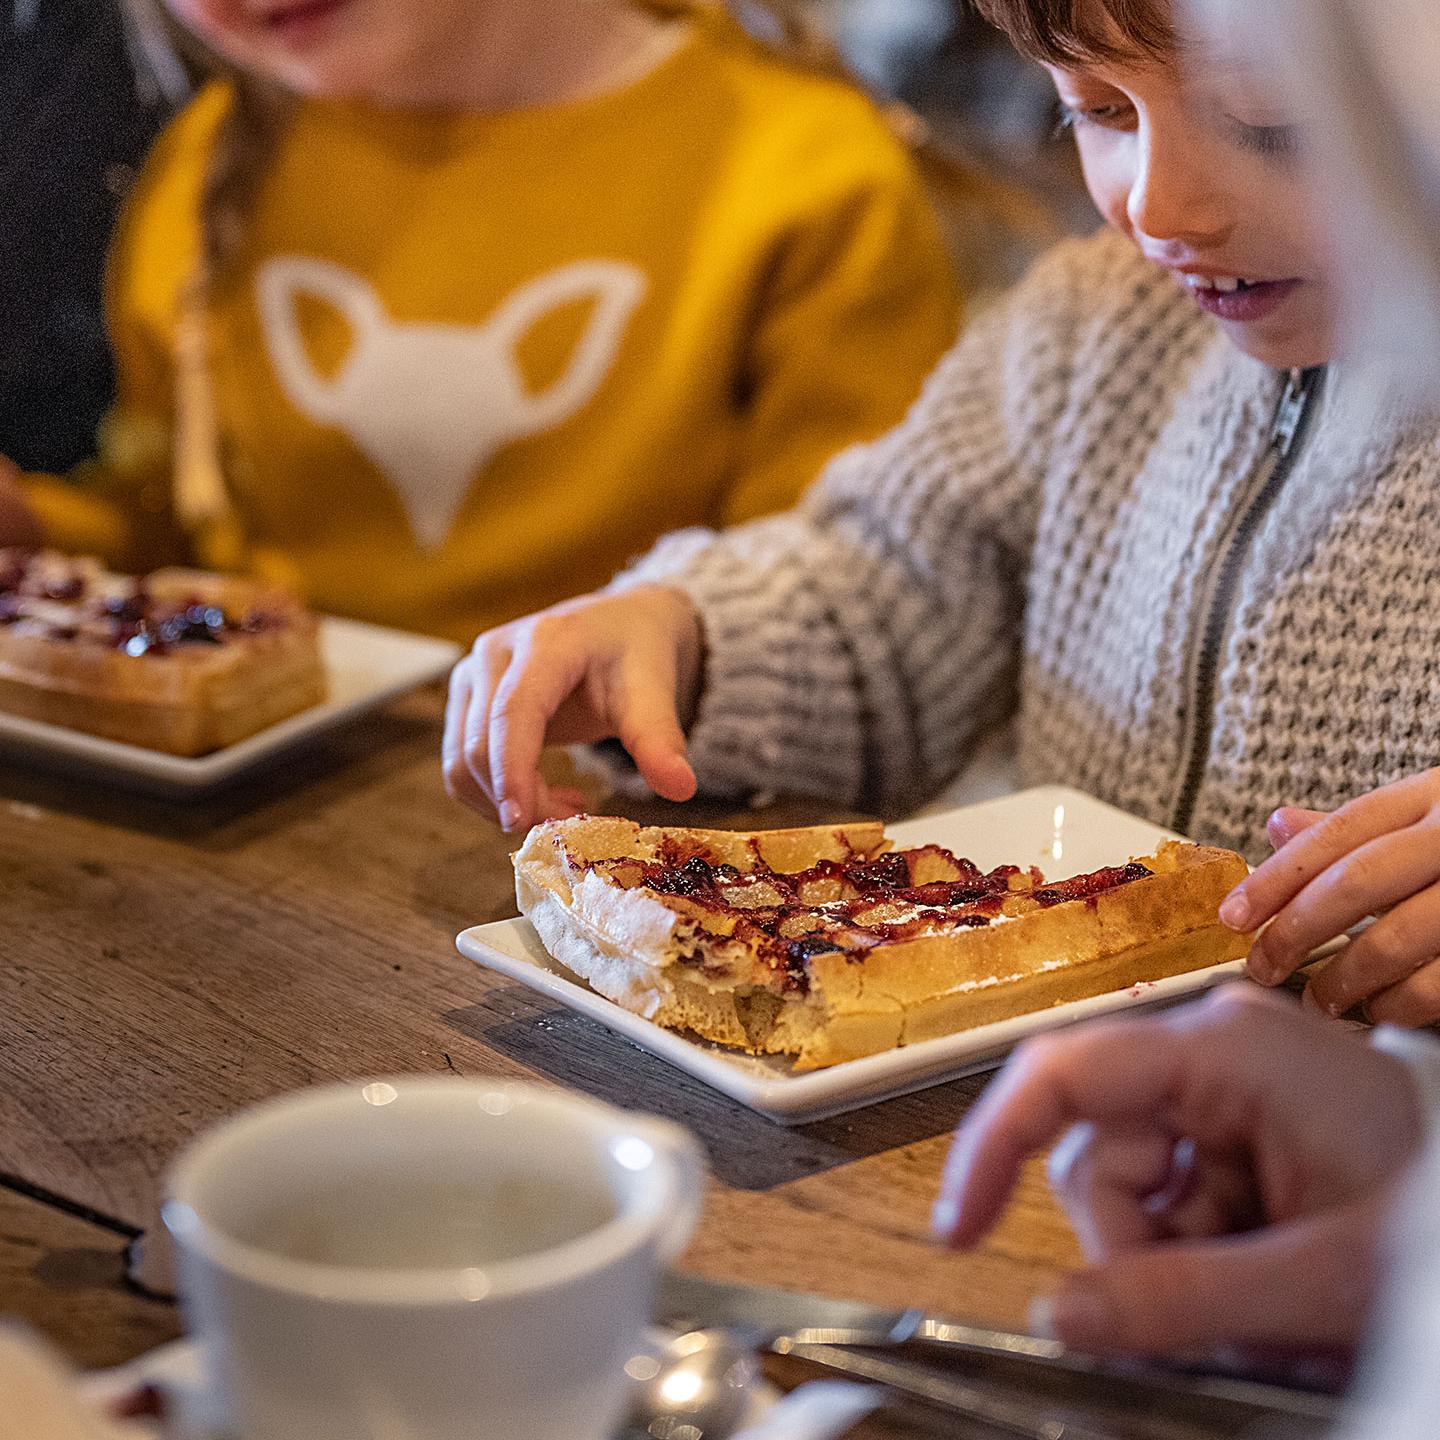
x: 162, y: 965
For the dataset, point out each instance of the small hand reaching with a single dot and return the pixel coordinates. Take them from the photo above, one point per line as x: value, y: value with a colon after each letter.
x: 625, y: 665
x: 1378, y: 855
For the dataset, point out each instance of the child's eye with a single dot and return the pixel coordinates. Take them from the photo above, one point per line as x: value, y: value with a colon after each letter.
x: 1107, y: 117
x: 1276, y: 141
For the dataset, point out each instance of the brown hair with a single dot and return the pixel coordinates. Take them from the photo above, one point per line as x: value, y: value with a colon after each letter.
x: 244, y: 141
x: 1076, y: 32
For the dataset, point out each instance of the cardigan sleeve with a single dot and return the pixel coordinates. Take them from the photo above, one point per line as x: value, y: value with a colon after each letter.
x: 855, y: 645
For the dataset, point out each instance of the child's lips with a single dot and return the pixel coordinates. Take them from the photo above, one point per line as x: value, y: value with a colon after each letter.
x: 1231, y: 297
x: 303, y: 21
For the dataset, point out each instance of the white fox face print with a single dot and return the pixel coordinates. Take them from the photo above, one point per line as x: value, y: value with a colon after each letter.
x: 430, y: 404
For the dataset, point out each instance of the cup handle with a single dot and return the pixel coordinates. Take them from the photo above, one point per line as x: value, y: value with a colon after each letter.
x: 688, y: 1162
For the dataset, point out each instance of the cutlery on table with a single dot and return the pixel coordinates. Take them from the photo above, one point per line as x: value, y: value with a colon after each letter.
x: 1053, y: 1385
x: 704, y: 1382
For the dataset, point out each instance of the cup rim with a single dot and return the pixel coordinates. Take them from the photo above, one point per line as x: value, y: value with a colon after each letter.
x: 568, y: 1261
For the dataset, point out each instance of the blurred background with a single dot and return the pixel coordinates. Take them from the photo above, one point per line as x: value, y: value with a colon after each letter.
x: 978, y: 96
x: 82, y: 97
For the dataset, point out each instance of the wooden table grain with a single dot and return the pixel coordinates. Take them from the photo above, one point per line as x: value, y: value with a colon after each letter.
x: 164, y: 964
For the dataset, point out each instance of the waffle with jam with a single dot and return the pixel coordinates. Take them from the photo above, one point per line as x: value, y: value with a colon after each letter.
x: 181, y: 661
x: 825, y: 944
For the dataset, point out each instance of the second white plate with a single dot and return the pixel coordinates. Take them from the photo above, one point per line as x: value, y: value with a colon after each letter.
x: 1065, y: 832
x: 366, y: 665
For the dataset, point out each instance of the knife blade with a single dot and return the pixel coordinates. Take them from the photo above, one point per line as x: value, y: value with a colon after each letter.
x: 696, y: 1302
x: 1016, y: 1418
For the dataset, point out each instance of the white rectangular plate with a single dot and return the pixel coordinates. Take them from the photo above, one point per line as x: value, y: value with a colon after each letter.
x: 366, y: 665
x: 1063, y: 831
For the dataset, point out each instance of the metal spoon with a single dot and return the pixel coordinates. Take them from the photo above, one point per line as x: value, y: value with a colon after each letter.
x: 698, y: 1387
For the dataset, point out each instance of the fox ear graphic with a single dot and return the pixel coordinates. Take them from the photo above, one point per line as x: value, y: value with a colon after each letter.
x: 616, y: 289
x: 277, y: 286
x: 429, y: 404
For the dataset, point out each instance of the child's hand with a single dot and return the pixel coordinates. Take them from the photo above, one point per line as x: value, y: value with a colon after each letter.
x: 625, y: 665
x: 1227, y: 1166
x: 1377, y: 855
x: 18, y: 525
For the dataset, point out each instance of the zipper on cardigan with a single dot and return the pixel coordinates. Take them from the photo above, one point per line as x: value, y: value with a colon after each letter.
x: 1216, y: 594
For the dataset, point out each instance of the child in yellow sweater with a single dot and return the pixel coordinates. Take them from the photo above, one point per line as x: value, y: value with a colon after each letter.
x: 439, y: 312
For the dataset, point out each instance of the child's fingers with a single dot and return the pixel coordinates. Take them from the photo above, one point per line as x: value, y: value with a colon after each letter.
x: 556, y: 802
x: 1288, y: 821
x: 489, y: 664
x: 1386, y: 955
x: 530, y: 692
x: 1103, y: 1177
x: 1316, y: 1276
x: 1378, y: 874
x: 1412, y: 1003
x: 1110, y: 1071
x: 457, y: 702
x: 645, y: 719
x: 459, y: 781
x: 1287, y: 872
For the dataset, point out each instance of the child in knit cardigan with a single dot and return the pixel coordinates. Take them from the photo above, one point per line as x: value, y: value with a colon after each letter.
x: 1294, y: 1142
x: 1132, y: 509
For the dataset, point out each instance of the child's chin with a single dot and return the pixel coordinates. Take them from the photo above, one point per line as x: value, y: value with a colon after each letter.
x: 1288, y: 351
x: 331, y: 72
x: 320, y: 83
x: 1299, y: 334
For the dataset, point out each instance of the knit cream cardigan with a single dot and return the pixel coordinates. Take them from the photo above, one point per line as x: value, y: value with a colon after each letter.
x: 1036, y: 539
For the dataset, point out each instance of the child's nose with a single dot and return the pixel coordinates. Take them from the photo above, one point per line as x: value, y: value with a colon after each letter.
x: 1175, y: 194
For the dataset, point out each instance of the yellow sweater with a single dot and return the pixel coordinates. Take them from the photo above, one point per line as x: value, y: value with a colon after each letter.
x: 465, y: 366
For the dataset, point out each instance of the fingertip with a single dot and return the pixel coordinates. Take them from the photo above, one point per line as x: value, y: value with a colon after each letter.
x: 1236, y: 911
x: 952, y: 1233
x: 514, y: 780
x: 1040, y: 1319
x: 1287, y: 822
x: 973, y: 1190
x: 683, y: 783
x: 1243, y: 991
x: 558, y: 803
x: 965, y: 1236
x: 668, y: 773
x: 1261, y: 971
x: 1079, y: 1314
x: 1260, y: 965
x: 944, y: 1221
x: 1330, y: 1003
x: 955, y: 1224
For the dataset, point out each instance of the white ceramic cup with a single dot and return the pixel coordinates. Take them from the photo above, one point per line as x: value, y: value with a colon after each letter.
x: 423, y: 1259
